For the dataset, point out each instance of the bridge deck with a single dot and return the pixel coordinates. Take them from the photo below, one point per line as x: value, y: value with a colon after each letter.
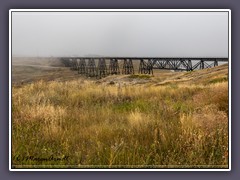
x: 154, y: 58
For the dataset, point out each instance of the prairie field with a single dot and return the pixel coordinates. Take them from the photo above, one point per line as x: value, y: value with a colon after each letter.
x: 169, y: 120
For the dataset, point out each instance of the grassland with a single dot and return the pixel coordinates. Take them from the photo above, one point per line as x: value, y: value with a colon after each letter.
x: 171, y: 120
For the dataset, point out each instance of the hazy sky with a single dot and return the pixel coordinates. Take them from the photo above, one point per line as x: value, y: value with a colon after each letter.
x: 152, y: 34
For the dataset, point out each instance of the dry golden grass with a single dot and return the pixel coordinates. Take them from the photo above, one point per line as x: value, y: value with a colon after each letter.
x: 98, y: 125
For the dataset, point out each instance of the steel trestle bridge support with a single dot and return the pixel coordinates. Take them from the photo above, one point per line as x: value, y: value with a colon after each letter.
x: 91, y: 69
x: 102, y: 68
x: 145, y: 67
x: 87, y: 66
x: 82, y: 67
x: 127, y: 67
x: 114, y: 67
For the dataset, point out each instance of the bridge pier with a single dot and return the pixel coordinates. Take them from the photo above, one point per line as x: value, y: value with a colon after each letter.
x: 91, y: 69
x: 128, y: 67
x: 145, y: 67
x: 102, y: 67
x: 82, y: 67
x: 114, y: 67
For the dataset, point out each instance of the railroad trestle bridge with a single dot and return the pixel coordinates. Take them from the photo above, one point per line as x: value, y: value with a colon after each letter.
x: 103, y: 66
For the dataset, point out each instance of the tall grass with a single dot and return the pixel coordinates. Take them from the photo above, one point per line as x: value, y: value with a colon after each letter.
x: 111, y: 126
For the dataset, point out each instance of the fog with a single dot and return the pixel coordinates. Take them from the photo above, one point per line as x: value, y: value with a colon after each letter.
x: 132, y: 34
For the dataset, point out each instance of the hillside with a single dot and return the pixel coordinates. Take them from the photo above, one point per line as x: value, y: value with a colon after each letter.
x: 165, y: 77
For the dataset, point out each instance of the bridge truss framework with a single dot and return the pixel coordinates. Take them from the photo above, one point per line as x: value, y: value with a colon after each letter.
x: 87, y: 65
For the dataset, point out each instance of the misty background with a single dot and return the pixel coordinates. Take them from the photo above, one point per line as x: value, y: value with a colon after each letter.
x: 131, y: 34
